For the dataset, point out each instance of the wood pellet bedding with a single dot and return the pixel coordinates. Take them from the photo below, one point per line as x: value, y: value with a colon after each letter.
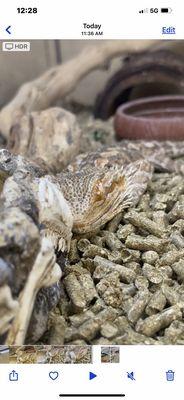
x: 124, y: 285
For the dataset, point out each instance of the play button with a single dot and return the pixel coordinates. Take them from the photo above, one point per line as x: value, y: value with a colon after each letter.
x: 92, y: 376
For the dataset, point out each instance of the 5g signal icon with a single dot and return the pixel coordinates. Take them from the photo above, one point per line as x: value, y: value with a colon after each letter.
x: 145, y: 10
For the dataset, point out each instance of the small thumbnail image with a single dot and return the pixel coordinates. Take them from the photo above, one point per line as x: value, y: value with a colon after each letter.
x: 4, y: 355
x: 110, y: 354
x: 45, y: 354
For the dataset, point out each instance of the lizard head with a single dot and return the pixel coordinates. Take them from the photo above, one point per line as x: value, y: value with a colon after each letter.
x: 96, y: 195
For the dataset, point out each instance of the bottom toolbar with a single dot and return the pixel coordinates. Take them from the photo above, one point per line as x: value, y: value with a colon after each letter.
x: 139, y: 372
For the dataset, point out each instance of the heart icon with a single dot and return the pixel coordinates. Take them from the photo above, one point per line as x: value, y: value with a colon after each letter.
x: 53, y: 375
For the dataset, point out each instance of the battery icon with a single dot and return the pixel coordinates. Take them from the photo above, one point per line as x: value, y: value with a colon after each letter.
x: 166, y: 10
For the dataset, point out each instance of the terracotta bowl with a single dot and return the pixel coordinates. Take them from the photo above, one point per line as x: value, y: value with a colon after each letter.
x: 151, y: 118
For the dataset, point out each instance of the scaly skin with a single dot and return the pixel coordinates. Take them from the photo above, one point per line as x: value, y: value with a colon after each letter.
x: 91, y: 191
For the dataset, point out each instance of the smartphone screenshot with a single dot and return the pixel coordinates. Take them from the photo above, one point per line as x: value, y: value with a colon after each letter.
x: 91, y: 200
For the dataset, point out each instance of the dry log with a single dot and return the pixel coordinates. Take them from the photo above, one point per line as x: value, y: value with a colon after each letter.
x: 51, y: 138
x: 59, y: 81
x: 45, y: 272
x: 19, y: 246
x: 8, y: 308
x: 20, y: 254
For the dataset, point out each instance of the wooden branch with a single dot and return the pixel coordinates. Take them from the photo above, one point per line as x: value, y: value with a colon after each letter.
x: 50, y: 137
x: 59, y: 81
x: 45, y: 272
x: 8, y: 308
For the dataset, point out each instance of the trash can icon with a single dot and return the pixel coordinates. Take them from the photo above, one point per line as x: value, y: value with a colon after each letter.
x: 170, y: 375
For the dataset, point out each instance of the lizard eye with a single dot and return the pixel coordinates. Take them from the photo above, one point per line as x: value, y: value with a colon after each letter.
x: 103, y: 189
x: 98, y: 193
x: 98, y: 199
